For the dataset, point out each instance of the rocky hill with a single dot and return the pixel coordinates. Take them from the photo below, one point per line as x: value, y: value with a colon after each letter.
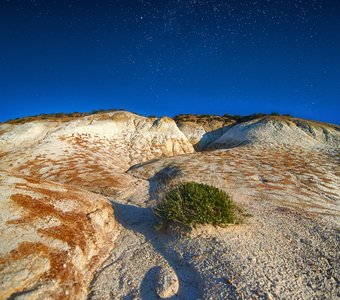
x: 211, y: 132
x: 62, y: 177
x: 272, y: 131
x: 92, y: 151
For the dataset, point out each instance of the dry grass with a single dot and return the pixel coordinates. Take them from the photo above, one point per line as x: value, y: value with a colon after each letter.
x: 61, y: 117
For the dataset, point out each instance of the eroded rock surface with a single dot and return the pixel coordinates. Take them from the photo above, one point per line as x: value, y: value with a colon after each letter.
x: 52, y: 238
x: 273, y: 131
x: 93, y: 151
x: 288, y: 248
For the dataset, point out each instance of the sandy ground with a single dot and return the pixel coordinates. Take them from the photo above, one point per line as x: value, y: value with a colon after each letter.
x: 284, y: 250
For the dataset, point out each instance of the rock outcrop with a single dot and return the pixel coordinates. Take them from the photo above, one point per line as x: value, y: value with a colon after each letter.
x: 273, y: 131
x: 92, y: 151
x: 52, y: 238
x: 221, y: 132
x: 201, y: 130
x: 199, y: 136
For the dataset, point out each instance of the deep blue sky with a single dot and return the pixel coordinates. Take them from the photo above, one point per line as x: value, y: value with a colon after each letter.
x: 165, y: 57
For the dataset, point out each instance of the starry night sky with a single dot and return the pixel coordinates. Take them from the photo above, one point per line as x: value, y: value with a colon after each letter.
x: 165, y: 57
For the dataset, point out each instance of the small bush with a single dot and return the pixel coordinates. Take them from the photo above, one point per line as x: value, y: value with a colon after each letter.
x: 193, y: 203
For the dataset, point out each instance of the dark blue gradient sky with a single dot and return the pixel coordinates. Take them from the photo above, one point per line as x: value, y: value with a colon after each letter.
x: 165, y: 57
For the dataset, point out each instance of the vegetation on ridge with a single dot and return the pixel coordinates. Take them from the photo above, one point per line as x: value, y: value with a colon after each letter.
x: 227, y: 119
x: 64, y: 117
x: 218, y: 121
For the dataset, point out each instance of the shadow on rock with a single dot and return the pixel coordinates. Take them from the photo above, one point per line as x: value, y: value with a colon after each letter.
x: 162, y: 180
x: 209, y: 137
x: 143, y: 221
x: 147, y: 287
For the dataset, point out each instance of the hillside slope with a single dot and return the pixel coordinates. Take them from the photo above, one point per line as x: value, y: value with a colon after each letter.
x: 273, y: 131
x: 287, y: 248
x: 284, y: 172
x: 92, y: 151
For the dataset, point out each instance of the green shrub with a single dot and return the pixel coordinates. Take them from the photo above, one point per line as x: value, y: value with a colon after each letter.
x: 193, y: 203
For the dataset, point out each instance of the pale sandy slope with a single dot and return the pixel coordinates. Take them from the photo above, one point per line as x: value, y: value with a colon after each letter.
x: 268, y: 130
x: 288, y: 248
x: 92, y: 151
x: 53, y: 237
